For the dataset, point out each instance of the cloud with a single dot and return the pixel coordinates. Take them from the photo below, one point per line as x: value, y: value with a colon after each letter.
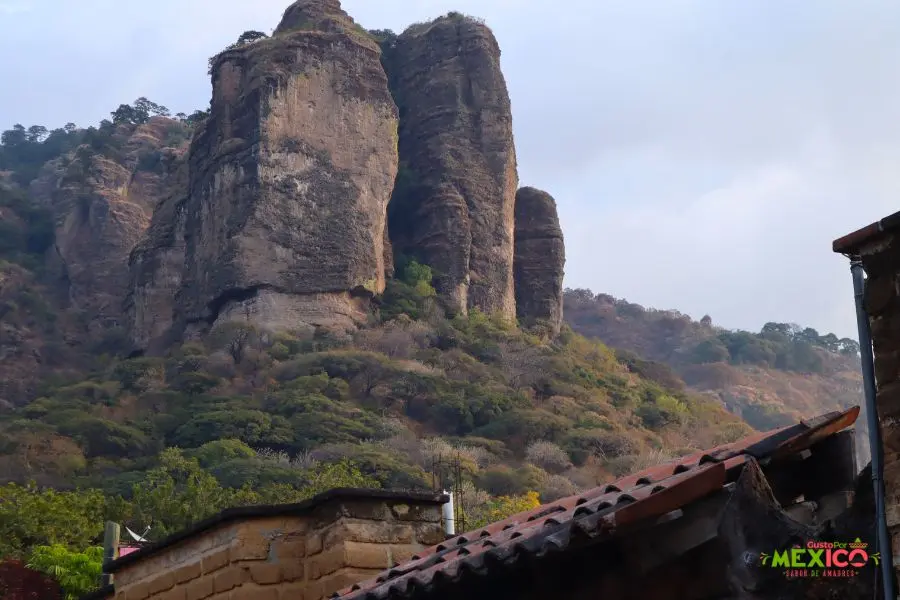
x: 703, y: 153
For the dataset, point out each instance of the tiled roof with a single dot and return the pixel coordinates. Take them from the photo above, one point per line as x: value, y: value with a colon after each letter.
x: 594, y: 514
x: 851, y: 242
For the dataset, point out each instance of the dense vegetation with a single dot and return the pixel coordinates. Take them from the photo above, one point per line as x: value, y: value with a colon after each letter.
x: 249, y: 418
x: 263, y: 414
x: 770, y: 378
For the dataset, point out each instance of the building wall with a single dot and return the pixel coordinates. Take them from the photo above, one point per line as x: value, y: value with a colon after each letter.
x: 881, y: 259
x: 306, y: 557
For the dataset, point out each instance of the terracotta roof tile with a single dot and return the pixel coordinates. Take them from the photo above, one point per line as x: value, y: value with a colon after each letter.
x: 595, y: 513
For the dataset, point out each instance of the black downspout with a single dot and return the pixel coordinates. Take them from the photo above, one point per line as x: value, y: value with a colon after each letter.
x: 868, y: 373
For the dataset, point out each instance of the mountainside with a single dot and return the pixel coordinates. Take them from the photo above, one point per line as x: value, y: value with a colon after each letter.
x: 327, y: 278
x: 771, y: 378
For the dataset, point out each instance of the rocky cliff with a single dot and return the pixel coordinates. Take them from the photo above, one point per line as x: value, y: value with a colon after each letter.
x: 540, y: 258
x: 289, y: 179
x: 453, y: 205
x: 102, y: 203
x: 156, y: 266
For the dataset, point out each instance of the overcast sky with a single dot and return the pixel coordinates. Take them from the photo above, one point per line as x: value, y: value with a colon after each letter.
x: 703, y: 153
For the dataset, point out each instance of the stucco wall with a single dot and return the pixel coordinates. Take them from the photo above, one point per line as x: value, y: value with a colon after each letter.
x: 307, y: 556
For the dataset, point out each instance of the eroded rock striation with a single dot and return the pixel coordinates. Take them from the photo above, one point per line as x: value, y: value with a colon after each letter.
x: 283, y: 222
x: 157, y: 267
x: 102, y: 206
x: 540, y: 258
x: 453, y: 205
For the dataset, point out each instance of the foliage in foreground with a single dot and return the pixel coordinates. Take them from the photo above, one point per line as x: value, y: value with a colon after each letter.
x: 77, y: 572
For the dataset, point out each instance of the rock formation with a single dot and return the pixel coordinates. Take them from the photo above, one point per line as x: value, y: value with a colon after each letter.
x: 540, y: 258
x: 156, y: 266
x: 102, y: 205
x: 453, y: 206
x: 289, y: 178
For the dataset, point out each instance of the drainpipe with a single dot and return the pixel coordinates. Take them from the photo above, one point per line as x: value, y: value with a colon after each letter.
x: 868, y: 373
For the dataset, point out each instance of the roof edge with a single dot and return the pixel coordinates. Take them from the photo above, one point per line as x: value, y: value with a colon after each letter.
x: 274, y: 510
x: 851, y: 242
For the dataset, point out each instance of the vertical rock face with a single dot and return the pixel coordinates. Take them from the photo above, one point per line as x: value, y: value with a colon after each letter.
x: 156, y: 265
x: 284, y: 216
x: 453, y: 205
x: 540, y: 258
x: 102, y: 207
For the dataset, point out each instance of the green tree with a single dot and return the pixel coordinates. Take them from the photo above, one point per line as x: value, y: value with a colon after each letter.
x: 343, y: 474
x: 77, y: 572
x: 848, y: 347
x: 139, y: 112
x: 149, y: 108
x: 221, y: 451
x: 175, y: 494
x: 31, y: 517
x: 16, y: 136
x: 196, y: 117
x: 248, y: 37
x: 709, y: 351
x: 419, y: 277
x: 501, y: 508
x: 37, y: 133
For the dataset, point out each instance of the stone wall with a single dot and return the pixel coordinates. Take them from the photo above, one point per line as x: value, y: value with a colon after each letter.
x: 301, y: 551
x: 880, y: 255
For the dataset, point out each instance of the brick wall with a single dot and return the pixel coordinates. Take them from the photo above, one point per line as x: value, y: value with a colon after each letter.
x: 307, y: 556
x: 881, y: 259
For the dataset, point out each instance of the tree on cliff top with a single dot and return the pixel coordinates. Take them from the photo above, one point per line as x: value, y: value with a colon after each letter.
x: 138, y: 113
x: 246, y: 38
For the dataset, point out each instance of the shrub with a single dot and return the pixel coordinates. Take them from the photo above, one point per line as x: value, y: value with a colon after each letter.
x: 600, y: 443
x: 658, y: 415
x: 504, y: 481
x: 279, y: 351
x: 522, y: 425
x: 101, y: 437
x: 234, y: 338
x: 195, y: 383
x: 633, y: 463
x: 501, y: 508
x: 219, y: 451
x: 400, y: 298
x: 548, y: 456
x: 140, y: 374
x: 250, y: 426
x: 77, y: 572
x: 555, y: 487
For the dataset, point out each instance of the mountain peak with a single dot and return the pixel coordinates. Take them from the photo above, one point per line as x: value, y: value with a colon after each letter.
x: 314, y: 15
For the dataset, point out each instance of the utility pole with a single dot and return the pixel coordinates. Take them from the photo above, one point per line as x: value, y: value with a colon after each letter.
x: 110, y: 549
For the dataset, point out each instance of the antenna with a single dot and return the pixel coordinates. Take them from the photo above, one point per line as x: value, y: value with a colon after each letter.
x: 136, y: 537
x: 447, y: 476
